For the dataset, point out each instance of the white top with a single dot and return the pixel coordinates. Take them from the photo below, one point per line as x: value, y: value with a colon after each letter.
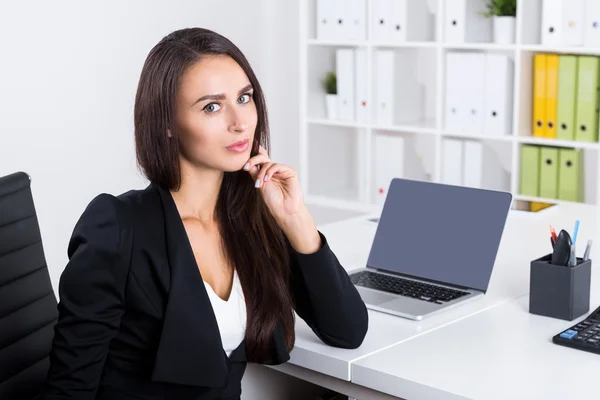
x: 230, y: 314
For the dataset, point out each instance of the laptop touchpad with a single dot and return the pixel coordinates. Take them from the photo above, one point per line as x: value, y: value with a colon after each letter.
x: 375, y: 298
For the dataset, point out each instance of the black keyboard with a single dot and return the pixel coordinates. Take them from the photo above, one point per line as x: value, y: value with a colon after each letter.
x: 406, y: 287
x: 583, y: 336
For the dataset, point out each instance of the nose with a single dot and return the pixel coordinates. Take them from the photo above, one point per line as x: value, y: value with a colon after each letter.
x: 237, y: 122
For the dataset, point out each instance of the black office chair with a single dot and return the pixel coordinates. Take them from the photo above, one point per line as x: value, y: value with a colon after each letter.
x: 28, y: 310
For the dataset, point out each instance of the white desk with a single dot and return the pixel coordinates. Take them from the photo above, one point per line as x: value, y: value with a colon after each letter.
x: 524, y: 239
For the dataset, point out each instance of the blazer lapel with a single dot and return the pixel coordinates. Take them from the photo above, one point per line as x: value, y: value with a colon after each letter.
x: 190, y: 351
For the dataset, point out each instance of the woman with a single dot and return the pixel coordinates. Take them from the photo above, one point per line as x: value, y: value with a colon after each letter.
x: 171, y: 290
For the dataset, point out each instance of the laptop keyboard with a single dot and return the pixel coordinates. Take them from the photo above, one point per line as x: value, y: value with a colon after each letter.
x: 406, y: 287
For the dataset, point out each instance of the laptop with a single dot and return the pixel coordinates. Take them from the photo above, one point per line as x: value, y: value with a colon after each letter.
x: 434, y: 248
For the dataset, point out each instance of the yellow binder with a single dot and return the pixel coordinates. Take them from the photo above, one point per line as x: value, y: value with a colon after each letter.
x: 551, y: 94
x: 539, y: 95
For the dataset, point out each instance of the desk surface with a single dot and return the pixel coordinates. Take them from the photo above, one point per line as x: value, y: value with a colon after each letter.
x: 524, y: 238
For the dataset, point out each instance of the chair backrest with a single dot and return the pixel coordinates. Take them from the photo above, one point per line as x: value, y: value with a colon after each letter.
x: 28, y: 310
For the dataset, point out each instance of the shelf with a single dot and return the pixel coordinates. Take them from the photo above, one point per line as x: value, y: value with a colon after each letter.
x: 544, y: 200
x: 559, y: 143
x: 426, y: 127
x: 340, y: 43
x: 479, y: 46
x: 343, y: 124
x: 562, y: 50
x: 425, y: 45
x: 505, y: 138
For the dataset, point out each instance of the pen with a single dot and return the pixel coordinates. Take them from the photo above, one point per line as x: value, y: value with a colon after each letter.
x: 553, y: 233
x: 573, y: 258
x: 575, y: 231
x: 586, y: 254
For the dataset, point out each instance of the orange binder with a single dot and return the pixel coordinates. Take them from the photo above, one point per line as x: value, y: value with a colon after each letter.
x: 551, y: 95
x: 539, y: 95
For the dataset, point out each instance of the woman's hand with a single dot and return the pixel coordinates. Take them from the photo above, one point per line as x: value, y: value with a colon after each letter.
x: 281, y: 191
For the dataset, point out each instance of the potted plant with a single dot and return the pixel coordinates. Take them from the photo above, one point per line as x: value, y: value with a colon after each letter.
x: 329, y: 83
x: 503, y: 13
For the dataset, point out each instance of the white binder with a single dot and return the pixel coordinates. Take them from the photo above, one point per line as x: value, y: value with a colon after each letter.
x: 384, y: 87
x: 482, y: 167
x: 355, y: 15
x: 454, y: 109
x: 381, y: 20
x: 389, y: 163
x: 463, y: 21
x: 345, y: 83
x: 592, y: 24
x: 572, y: 22
x: 498, y: 94
x: 552, y: 26
x: 473, y: 78
x: 326, y: 23
x: 452, y: 161
x: 361, y: 105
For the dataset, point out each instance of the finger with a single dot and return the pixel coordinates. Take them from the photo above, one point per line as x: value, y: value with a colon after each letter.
x: 260, y: 178
x: 256, y: 160
x: 274, y: 169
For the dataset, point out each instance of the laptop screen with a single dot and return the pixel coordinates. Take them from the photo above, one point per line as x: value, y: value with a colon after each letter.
x: 444, y: 233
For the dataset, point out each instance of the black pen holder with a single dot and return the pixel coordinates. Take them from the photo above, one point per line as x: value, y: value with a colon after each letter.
x: 559, y: 291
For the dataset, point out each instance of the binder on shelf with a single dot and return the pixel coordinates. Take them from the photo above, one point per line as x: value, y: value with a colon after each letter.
x: 572, y: 22
x: 390, y: 22
x: 455, y: 110
x: 384, y: 86
x: 551, y: 94
x: 530, y: 170
x: 552, y: 27
x: 473, y: 78
x: 549, y: 172
x: 570, y: 174
x: 326, y: 21
x: 482, y: 167
x: 354, y: 13
x: 452, y: 161
x: 498, y: 94
x: 389, y: 163
x: 539, y: 95
x: 591, y: 31
x: 381, y: 20
x: 345, y: 84
x: 587, y: 99
x: 464, y: 23
x: 567, y: 97
x: 361, y: 84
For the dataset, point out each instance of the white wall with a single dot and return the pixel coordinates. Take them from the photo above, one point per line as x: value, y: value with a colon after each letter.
x: 68, y: 77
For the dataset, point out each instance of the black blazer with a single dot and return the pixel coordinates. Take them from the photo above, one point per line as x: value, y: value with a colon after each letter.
x: 135, y: 320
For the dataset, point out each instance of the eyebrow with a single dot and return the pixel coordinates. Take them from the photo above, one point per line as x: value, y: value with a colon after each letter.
x: 221, y: 96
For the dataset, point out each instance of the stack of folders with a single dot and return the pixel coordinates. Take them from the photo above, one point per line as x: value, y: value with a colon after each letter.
x: 479, y: 92
x: 565, y: 97
x: 342, y: 20
x: 352, y: 81
x: 553, y: 173
x: 472, y: 163
x: 570, y: 23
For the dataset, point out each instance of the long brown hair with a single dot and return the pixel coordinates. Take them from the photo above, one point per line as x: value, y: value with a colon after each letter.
x: 253, y: 243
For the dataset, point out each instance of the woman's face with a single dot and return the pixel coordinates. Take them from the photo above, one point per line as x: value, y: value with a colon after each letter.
x: 216, y: 114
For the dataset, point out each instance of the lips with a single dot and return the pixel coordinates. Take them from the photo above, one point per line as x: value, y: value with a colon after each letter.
x: 238, y: 146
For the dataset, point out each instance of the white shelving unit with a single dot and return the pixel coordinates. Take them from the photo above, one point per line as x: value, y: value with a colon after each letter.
x: 336, y: 157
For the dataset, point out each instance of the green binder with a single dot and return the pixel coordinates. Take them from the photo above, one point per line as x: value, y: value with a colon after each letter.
x: 530, y: 170
x: 549, y: 172
x: 570, y: 168
x: 567, y: 99
x: 587, y: 99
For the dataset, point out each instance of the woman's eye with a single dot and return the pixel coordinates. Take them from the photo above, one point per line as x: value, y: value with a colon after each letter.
x: 212, y: 107
x: 245, y: 98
